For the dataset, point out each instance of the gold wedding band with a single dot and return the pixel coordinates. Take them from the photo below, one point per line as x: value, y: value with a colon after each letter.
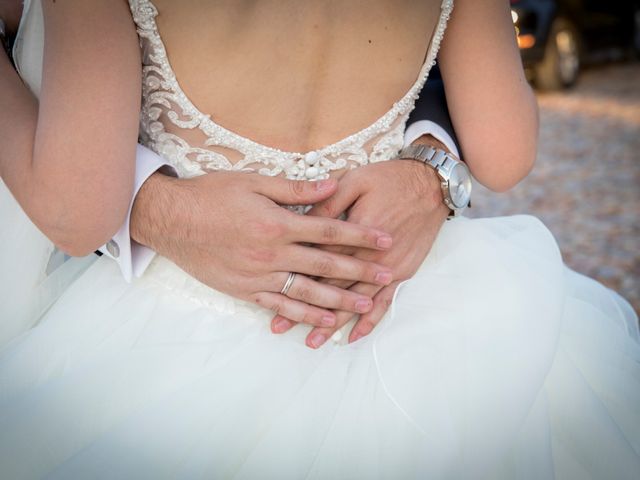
x: 288, y: 283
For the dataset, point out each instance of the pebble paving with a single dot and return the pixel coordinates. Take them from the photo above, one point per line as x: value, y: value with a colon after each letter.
x: 585, y: 185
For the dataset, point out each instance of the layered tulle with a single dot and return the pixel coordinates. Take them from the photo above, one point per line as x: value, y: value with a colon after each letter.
x: 495, y: 361
x: 32, y: 273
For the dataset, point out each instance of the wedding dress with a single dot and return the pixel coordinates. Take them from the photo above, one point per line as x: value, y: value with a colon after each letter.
x: 494, y: 361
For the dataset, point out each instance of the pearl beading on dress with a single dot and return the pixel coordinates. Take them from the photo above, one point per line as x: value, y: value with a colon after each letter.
x: 164, y: 99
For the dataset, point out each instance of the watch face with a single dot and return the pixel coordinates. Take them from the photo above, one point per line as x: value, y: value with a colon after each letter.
x: 460, y: 186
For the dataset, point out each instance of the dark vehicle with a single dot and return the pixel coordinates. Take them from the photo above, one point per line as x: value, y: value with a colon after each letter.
x: 557, y: 36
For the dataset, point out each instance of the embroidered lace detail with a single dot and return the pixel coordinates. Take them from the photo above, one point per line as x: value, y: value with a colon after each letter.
x: 165, y: 101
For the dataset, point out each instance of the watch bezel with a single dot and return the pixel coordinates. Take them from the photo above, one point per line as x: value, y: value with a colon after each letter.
x: 466, y: 178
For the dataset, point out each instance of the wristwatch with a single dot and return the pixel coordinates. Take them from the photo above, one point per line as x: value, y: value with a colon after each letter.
x: 455, y: 178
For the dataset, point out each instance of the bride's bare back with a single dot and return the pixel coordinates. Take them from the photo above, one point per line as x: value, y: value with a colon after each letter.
x: 296, y: 75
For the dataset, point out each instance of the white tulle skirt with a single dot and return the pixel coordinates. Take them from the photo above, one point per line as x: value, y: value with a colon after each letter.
x: 32, y: 273
x: 495, y: 361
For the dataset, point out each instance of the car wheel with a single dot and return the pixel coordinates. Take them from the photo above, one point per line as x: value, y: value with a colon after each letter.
x: 561, y: 63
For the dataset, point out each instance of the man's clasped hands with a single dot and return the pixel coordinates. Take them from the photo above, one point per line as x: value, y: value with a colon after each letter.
x: 230, y: 231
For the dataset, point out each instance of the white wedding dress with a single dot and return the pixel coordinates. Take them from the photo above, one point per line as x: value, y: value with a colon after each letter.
x: 495, y: 360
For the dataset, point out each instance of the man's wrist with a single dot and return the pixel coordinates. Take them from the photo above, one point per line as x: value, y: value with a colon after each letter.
x: 154, y: 211
x: 432, y: 141
x: 427, y: 179
x: 453, y: 175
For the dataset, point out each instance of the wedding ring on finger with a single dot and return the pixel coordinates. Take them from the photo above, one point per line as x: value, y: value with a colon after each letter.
x: 288, y: 283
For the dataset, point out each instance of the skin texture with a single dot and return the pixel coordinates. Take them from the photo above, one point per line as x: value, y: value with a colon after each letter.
x: 90, y: 196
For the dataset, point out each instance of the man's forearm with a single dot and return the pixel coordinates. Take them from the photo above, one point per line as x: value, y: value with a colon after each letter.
x: 156, y: 212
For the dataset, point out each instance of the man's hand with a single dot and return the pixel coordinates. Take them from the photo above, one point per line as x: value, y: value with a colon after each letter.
x: 404, y: 198
x: 228, y: 230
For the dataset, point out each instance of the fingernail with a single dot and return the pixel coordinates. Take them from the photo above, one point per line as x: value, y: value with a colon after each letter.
x: 356, y: 336
x: 363, y: 306
x: 282, y: 325
x: 383, y: 278
x: 384, y: 241
x: 317, y: 340
x: 324, y: 185
x: 328, y: 321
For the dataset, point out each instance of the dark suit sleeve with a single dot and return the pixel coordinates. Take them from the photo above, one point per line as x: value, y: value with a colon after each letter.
x: 432, y: 105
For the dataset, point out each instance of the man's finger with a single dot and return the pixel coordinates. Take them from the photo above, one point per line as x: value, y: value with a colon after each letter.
x: 319, y: 335
x: 338, y: 283
x: 280, y: 324
x: 312, y: 292
x: 329, y: 231
x: 293, y: 309
x: 341, y: 249
x: 321, y: 295
x: 316, y: 263
x: 293, y: 192
x: 338, y: 203
x: 368, y: 321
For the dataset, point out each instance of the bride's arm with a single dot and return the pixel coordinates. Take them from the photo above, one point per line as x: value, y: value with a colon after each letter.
x: 69, y: 160
x: 492, y: 107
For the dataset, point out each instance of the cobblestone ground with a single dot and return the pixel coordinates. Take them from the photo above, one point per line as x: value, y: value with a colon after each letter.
x: 586, y: 183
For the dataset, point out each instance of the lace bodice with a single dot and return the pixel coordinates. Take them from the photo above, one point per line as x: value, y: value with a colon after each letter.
x: 164, y: 102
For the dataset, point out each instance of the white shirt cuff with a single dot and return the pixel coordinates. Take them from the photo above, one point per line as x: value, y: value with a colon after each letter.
x: 427, y: 127
x: 132, y: 257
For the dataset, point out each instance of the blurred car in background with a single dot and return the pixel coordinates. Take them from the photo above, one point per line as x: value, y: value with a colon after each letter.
x: 557, y: 36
